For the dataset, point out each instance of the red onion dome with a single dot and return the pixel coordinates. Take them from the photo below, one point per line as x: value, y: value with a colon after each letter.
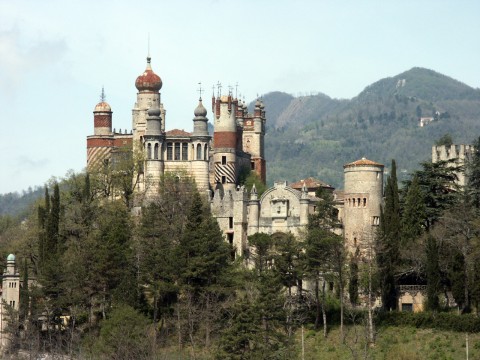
x: 148, y: 81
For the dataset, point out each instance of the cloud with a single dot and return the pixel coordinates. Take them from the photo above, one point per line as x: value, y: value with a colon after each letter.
x: 21, y: 57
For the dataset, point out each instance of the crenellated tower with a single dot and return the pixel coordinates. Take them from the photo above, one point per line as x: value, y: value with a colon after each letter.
x: 153, y: 142
x: 253, y: 138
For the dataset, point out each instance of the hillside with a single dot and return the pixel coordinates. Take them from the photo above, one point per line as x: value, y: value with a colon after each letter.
x: 316, y: 135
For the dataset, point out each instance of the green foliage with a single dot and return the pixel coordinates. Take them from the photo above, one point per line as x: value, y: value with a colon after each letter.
x: 473, y: 175
x: 254, y: 179
x: 413, y: 215
x: 433, y: 274
x: 123, y: 335
x: 445, y: 140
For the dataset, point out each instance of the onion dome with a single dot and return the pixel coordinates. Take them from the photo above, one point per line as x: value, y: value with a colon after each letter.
x: 257, y: 103
x: 200, y: 110
x: 11, y: 257
x: 102, y: 106
x: 148, y: 81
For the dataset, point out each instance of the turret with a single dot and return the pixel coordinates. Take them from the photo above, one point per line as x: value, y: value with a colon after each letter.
x: 200, y: 140
x: 225, y: 142
x: 102, y: 117
x: 10, y: 299
x: 253, y: 211
x: 304, y: 203
x: 153, y: 145
x: 253, y: 139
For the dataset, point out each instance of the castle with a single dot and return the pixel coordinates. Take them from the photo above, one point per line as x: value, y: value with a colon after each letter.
x: 216, y: 162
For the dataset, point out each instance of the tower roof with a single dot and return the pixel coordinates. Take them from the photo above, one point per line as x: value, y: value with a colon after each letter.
x: 148, y: 81
x: 102, y: 106
x: 363, y: 162
x: 200, y: 110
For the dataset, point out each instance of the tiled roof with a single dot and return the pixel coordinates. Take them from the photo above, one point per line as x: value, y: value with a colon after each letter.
x: 178, y: 132
x: 363, y: 162
x: 310, y: 183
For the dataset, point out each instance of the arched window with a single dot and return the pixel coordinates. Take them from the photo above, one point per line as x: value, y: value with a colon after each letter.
x: 155, y: 152
x: 199, y: 152
x: 205, y: 152
x: 149, y: 151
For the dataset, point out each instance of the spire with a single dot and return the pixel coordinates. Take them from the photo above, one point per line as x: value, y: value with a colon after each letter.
x: 102, y: 95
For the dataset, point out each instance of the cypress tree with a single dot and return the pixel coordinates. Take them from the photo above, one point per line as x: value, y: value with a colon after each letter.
x: 473, y: 175
x: 413, y: 217
x: 433, y: 274
x: 389, y: 241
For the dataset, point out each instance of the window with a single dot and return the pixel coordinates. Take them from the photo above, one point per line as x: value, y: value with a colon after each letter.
x: 230, y: 222
x: 364, y: 202
x: 252, y: 165
x: 155, y: 152
x: 230, y: 241
x: 205, y: 152
x: 224, y: 179
x: 184, y: 151
x: 177, y: 151
x: 353, y: 202
x: 224, y: 160
x: 199, y: 152
x: 407, y: 307
x: 169, y: 151
x: 149, y: 151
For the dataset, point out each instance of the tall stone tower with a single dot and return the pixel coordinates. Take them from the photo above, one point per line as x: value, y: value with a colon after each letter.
x: 225, y: 142
x: 253, y: 139
x: 200, y: 140
x: 99, y: 144
x: 362, y: 203
x: 10, y: 299
x: 153, y: 141
x: 456, y: 155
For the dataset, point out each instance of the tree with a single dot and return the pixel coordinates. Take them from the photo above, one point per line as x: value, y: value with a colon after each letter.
x: 473, y: 175
x: 445, y: 140
x: 433, y: 274
x: 413, y: 215
x: 389, y: 241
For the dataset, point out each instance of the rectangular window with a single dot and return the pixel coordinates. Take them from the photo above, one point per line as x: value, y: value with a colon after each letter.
x: 252, y: 165
x: 169, y: 151
x: 230, y: 222
x: 224, y: 179
x: 177, y: 151
x: 407, y: 307
x: 184, y: 151
x: 224, y: 160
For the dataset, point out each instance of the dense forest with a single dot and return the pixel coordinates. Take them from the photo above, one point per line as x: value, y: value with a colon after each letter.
x: 103, y: 282
x: 315, y: 135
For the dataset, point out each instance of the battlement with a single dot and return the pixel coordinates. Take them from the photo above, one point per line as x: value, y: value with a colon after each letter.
x: 452, y: 152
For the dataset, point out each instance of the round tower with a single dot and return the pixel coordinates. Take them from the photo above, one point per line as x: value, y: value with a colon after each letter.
x: 200, y: 140
x: 102, y: 117
x: 253, y: 211
x: 362, y: 203
x: 225, y: 142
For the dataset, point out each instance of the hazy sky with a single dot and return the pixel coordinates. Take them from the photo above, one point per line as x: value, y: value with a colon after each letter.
x: 56, y: 55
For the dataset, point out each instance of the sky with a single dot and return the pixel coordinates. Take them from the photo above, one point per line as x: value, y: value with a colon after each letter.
x: 55, y: 57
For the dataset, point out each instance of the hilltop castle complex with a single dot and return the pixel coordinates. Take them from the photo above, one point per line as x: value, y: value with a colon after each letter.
x: 216, y: 162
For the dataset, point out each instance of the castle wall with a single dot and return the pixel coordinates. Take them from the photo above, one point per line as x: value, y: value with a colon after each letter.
x: 458, y: 155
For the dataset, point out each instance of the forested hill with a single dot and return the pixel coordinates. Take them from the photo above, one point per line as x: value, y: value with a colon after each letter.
x: 316, y: 135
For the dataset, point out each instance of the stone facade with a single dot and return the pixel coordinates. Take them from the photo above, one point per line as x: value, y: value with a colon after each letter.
x: 457, y: 155
x: 216, y: 162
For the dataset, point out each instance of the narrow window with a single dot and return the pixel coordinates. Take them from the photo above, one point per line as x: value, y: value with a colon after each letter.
x: 230, y: 222
x: 149, y: 151
x: 224, y: 179
x: 224, y: 160
x: 205, y: 152
x: 199, y: 152
x: 358, y: 202
x: 177, y: 151
x: 353, y: 202
x: 155, y: 152
x: 169, y: 151
x: 184, y: 151
x: 252, y: 165
x: 364, y: 202
x: 230, y: 241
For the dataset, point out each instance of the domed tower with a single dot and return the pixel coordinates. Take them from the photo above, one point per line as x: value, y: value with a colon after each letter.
x: 148, y: 85
x: 200, y: 140
x: 225, y: 142
x: 153, y: 141
x: 100, y: 144
x: 362, y: 203
x: 102, y: 117
x: 10, y: 297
